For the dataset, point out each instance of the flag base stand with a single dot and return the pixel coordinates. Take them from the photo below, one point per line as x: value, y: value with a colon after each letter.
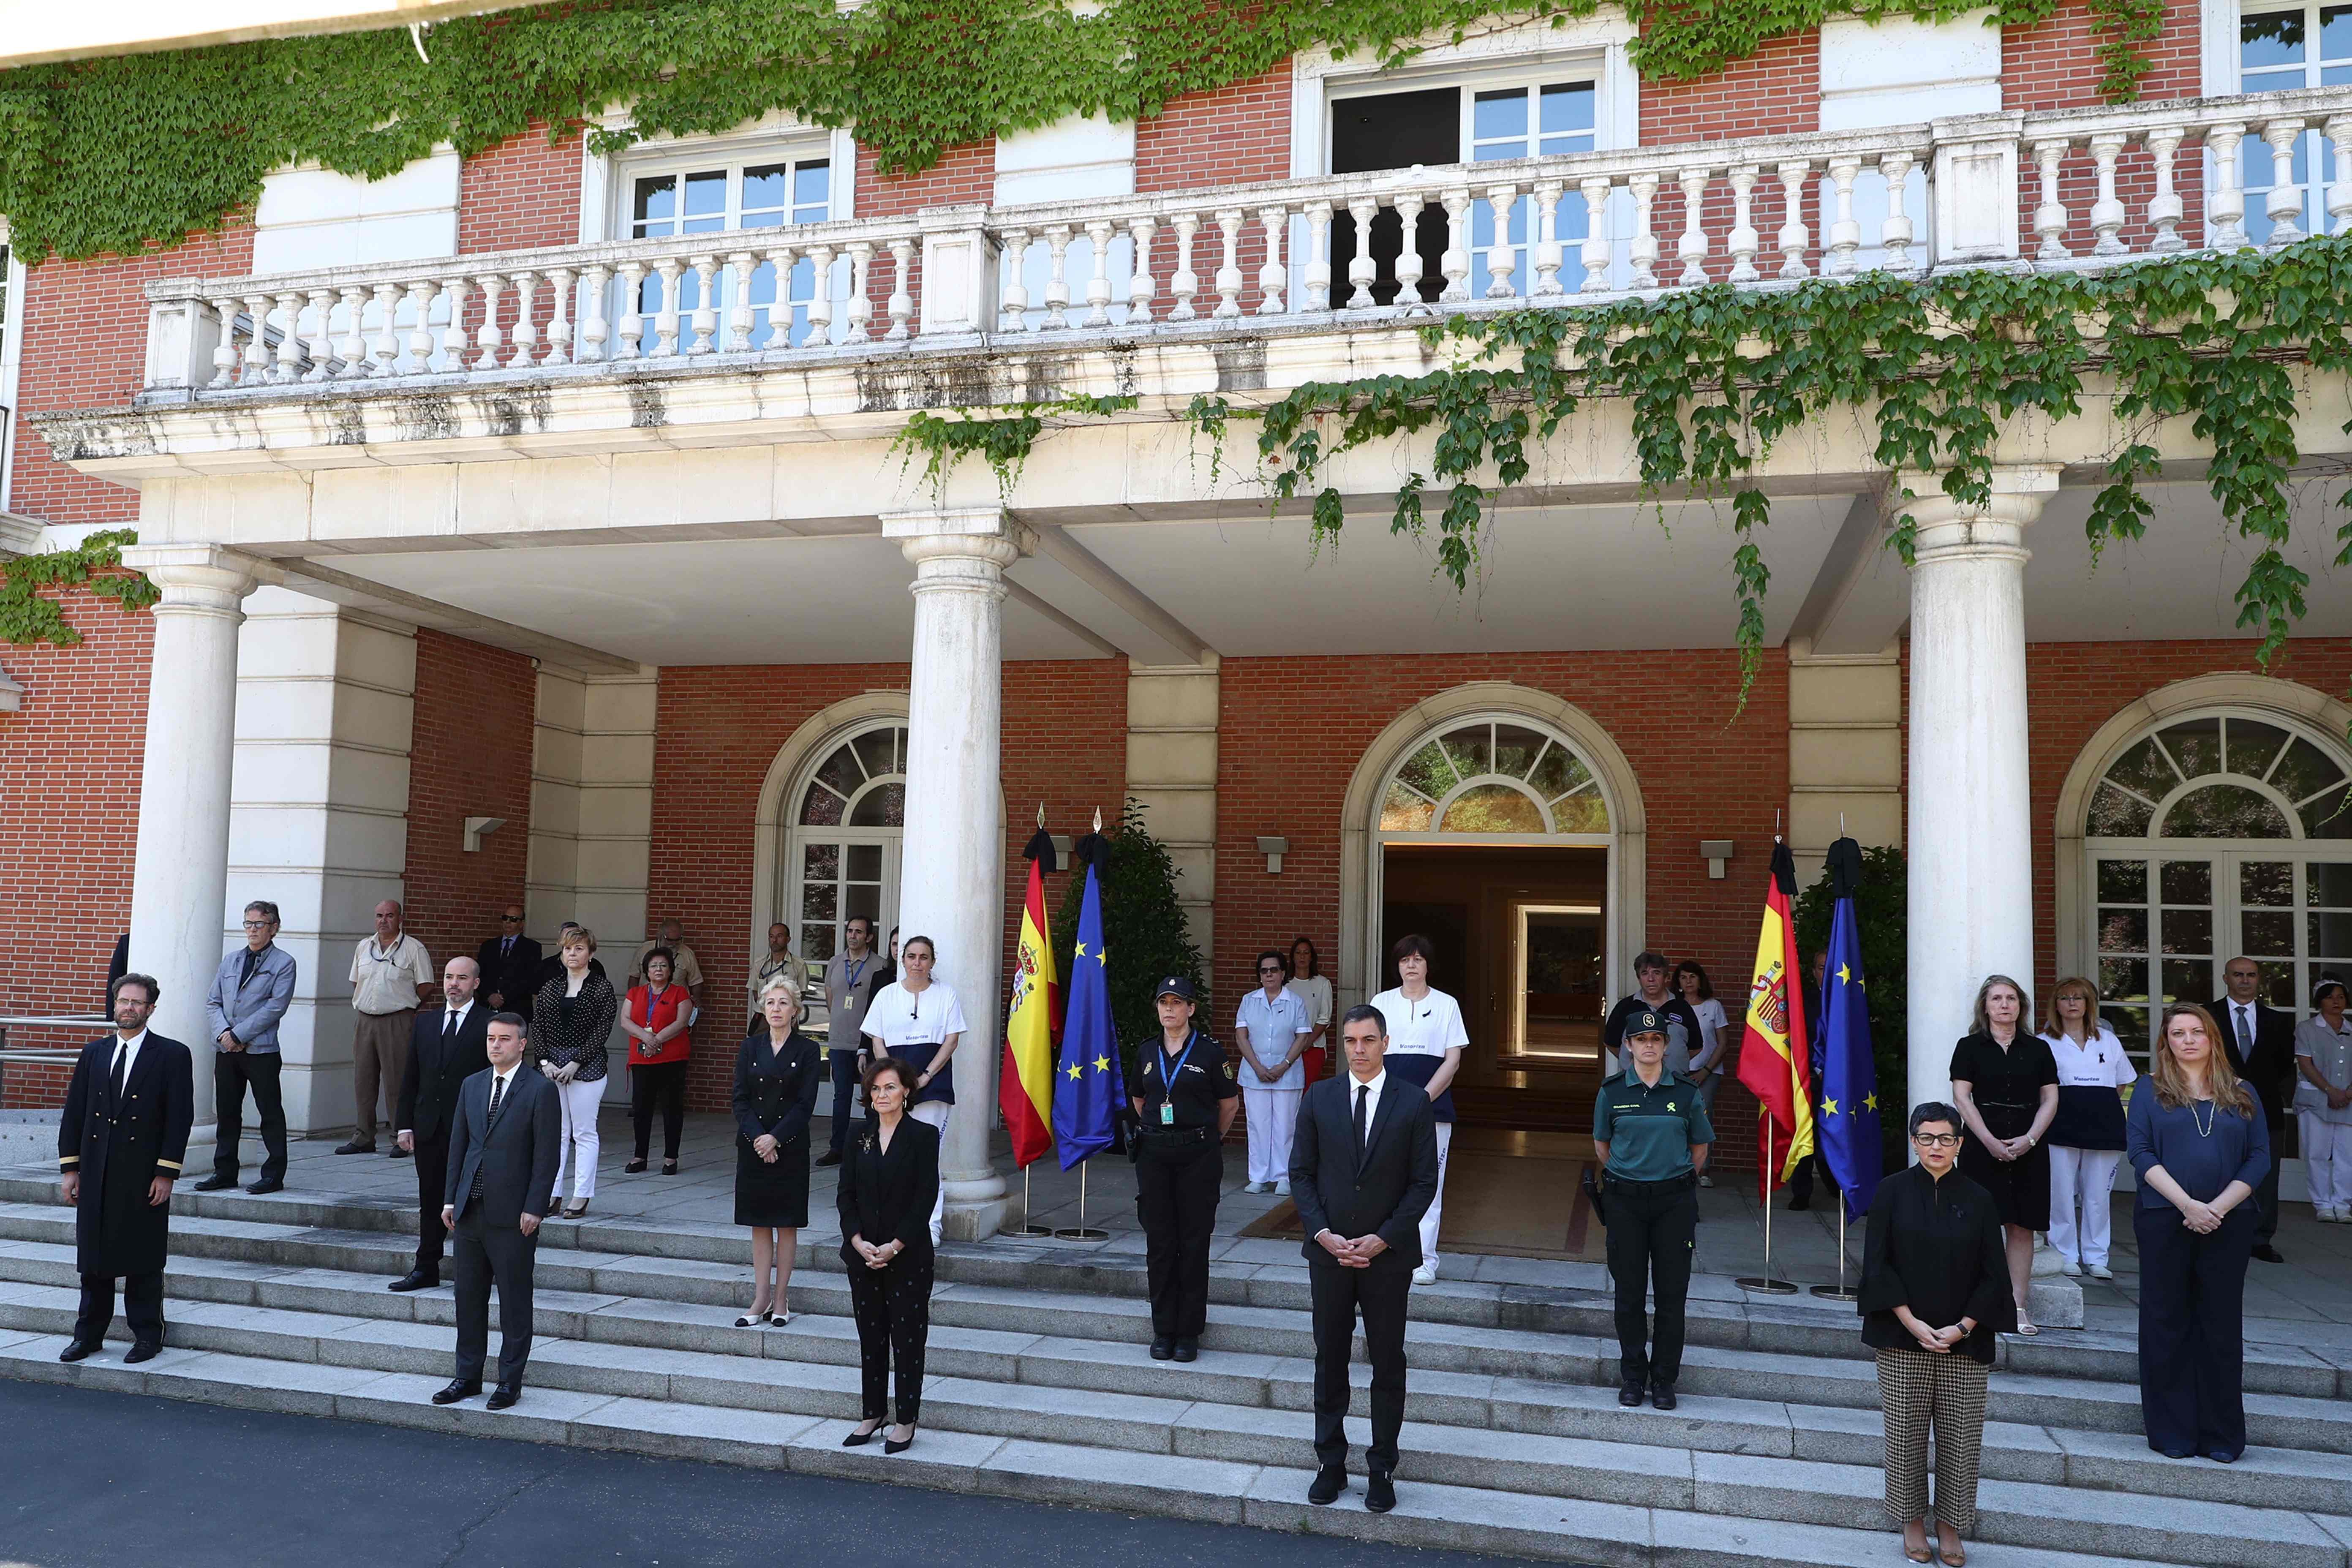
x: 1840, y: 1291
x: 1766, y: 1283
x: 1025, y: 1230
x: 1081, y: 1231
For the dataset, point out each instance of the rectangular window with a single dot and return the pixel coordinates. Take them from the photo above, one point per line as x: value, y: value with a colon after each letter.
x: 2281, y: 48
x: 771, y: 190
x: 1495, y: 118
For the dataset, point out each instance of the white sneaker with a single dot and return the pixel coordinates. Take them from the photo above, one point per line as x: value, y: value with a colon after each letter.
x: 2101, y: 1271
x: 2331, y: 1216
x: 2069, y: 1267
x: 1705, y: 1180
x: 2324, y: 1215
x: 1426, y: 1275
x: 1282, y: 1188
x: 1257, y: 1186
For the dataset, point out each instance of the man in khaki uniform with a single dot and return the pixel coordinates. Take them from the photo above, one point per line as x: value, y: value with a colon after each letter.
x: 390, y: 971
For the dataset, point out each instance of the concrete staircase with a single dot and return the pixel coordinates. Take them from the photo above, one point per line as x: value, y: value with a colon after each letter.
x: 1041, y: 1387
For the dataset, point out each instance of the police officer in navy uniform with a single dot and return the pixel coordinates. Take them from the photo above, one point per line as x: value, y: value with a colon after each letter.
x: 1651, y: 1134
x: 1186, y: 1095
x: 120, y: 1144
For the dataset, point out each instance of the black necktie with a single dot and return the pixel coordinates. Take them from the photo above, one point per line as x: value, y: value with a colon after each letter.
x: 1363, y: 1092
x: 252, y: 962
x: 506, y: 947
x: 497, y: 1094
x: 121, y: 1068
x: 449, y: 1025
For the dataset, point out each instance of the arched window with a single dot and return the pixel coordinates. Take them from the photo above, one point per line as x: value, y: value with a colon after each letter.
x: 1495, y: 776
x: 845, y: 856
x: 2213, y: 835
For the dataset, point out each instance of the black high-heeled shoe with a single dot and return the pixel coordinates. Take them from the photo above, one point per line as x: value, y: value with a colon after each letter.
x: 857, y: 1440
x: 633, y: 1167
x: 890, y: 1446
x: 669, y: 1167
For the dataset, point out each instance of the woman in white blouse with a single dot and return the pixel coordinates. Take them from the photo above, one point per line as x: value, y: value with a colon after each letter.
x: 2086, y: 1137
x: 1707, y: 1063
x: 2323, y: 1101
x: 1425, y: 1044
x: 918, y: 1020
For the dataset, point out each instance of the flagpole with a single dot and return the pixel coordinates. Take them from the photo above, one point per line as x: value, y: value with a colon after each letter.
x: 1840, y: 1291
x: 1081, y: 1231
x: 1025, y: 1229
x: 1768, y: 1283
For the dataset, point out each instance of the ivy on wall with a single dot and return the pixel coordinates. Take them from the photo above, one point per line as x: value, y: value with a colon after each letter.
x: 28, y: 616
x: 113, y: 155
x: 1715, y: 375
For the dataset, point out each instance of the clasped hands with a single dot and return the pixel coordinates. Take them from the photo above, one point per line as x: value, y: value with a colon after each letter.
x: 558, y: 1075
x: 878, y: 1257
x: 1356, y: 1252
x: 1940, y: 1341
x: 2009, y: 1148
x: 766, y: 1147
x: 2202, y: 1218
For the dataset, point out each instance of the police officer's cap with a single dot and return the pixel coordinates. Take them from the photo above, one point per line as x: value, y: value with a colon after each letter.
x: 1648, y: 1021
x: 1179, y: 987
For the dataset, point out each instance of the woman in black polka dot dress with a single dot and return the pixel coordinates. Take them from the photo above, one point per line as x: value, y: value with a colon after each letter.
x: 890, y: 1179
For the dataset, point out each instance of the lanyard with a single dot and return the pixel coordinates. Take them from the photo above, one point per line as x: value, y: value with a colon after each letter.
x: 1167, y: 1073
x: 855, y: 975
x: 653, y: 999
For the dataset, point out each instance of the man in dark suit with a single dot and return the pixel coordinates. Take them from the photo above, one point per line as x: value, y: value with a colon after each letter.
x: 2260, y: 1043
x: 1363, y: 1170
x: 510, y: 966
x: 450, y: 1046
x: 120, y: 1146
x: 502, y: 1155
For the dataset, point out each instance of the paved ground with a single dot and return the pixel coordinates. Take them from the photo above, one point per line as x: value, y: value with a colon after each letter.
x: 89, y: 1478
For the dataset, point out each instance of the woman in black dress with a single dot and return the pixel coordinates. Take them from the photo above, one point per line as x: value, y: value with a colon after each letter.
x: 777, y: 1069
x: 2005, y: 1082
x: 890, y: 1179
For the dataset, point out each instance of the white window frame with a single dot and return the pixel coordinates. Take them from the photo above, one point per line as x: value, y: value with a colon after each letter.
x: 12, y: 348
x: 1527, y: 54
x: 607, y: 179
x: 2239, y: 12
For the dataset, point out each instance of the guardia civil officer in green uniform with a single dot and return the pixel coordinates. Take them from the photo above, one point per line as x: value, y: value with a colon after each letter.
x: 1651, y: 1134
x: 1186, y: 1094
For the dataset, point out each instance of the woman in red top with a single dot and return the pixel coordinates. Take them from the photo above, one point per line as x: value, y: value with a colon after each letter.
x: 657, y: 1017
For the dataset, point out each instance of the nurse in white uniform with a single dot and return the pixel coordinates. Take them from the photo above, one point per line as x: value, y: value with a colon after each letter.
x: 918, y: 1020
x: 2087, y: 1138
x: 1426, y: 1042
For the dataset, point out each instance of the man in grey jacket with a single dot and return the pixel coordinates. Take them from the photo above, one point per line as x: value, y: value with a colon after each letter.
x: 249, y: 997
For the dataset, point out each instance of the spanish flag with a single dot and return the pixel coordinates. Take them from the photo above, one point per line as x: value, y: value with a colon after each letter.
x: 1773, y: 1062
x: 1024, y: 1089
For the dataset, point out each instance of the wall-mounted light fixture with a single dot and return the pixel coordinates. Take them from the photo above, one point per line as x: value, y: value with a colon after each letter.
x: 476, y: 827
x: 1714, y: 852
x: 12, y: 695
x: 1273, y: 850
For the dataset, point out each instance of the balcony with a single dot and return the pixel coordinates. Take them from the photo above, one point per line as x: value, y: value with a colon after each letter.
x: 2070, y: 190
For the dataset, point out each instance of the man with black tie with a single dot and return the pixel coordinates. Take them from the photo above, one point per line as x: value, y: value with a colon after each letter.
x: 2261, y: 1044
x: 120, y: 1146
x: 509, y: 966
x: 1363, y: 1170
x: 503, y: 1147
x: 450, y: 1047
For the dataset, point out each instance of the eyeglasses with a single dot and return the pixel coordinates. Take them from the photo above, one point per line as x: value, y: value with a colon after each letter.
x: 1936, y: 1140
x: 1269, y: 969
x: 257, y: 925
x: 510, y: 920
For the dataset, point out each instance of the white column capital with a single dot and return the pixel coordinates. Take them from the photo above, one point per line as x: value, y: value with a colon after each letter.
x: 204, y: 578
x: 1947, y: 529
x: 970, y: 542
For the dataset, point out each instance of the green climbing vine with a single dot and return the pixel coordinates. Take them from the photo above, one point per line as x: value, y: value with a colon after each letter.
x: 29, y: 615
x: 1002, y: 441
x: 1714, y: 376
x: 115, y: 154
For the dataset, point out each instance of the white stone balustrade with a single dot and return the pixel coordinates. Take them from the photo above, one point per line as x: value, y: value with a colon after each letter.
x: 2073, y: 189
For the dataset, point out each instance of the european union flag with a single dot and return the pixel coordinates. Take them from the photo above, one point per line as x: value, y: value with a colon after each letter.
x: 1089, y: 1086
x: 1848, y: 1127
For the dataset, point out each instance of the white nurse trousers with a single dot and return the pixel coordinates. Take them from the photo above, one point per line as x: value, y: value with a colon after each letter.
x: 2084, y: 1178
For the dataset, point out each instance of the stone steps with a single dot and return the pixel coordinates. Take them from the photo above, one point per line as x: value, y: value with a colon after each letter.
x: 1431, y: 1513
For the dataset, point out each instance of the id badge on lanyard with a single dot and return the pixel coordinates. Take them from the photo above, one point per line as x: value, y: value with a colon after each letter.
x: 1168, y: 1076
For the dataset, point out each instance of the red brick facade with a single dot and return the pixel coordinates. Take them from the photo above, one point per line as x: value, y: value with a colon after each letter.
x: 522, y: 192
x: 470, y: 755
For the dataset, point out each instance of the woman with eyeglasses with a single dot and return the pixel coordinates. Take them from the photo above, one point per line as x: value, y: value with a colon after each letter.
x: 916, y: 1020
x: 777, y: 1071
x: 2005, y: 1082
x: 571, y: 1019
x: 2200, y: 1143
x: 1272, y: 1030
x: 2086, y: 1136
x: 658, y: 1019
x: 1935, y: 1292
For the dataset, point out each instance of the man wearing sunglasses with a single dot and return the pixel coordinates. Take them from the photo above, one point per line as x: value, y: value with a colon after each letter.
x: 509, y: 965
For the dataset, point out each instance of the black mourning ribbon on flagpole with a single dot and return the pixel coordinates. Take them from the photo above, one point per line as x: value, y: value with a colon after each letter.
x: 1041, y: 849
x: 1845, y: 868
x: 1094, y: 849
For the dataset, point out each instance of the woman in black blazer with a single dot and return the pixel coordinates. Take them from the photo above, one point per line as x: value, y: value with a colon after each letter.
x: 777, y: 1070
x: 890, y: 1179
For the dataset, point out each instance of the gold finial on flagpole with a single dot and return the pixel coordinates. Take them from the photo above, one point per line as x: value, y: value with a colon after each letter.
x: 1040, y: 814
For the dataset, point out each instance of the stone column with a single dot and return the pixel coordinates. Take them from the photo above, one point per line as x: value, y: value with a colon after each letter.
x: 180, y: 870
x: 952, y: 880
x: 1971, y: 831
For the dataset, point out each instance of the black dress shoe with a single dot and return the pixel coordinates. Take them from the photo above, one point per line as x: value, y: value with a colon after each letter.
x: 77, y: 1350
x: 1188, y: 1350
x: 857, y: 1440
x: 356, y: 1147
x: 2223, y: 1456
x: 504, y: 1394
x: 1797, y: 1205
x: 830, y: 1157
x: 398, y: 1152
x: 142, y: 1349
x: 1162, y: 1349
x: 459, y: 1388
x: 1662, y: 1396
x: 1329, y: 1482
x: 414, y: 1280
x: 267, y: 1184
x: 2268, y: 1253
x: 1379, y: 1492
x: 898, y: 1446
x: 1629, y: 1393
x: 634, y: 1167
x: 215, y: 1184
